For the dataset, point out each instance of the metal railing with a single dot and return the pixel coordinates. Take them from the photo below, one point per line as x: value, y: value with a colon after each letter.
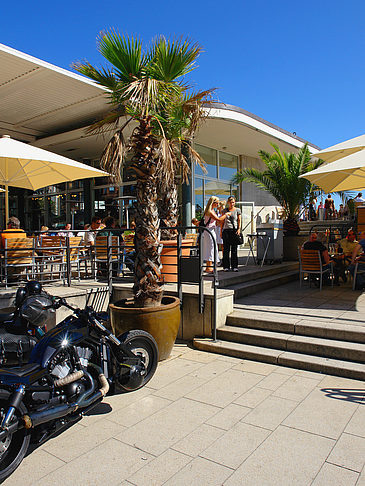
x: 113, y: 263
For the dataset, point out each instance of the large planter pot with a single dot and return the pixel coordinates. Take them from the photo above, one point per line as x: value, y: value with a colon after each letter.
x: 290, y: 247
x: 169, y: 257
x: 162, y: 322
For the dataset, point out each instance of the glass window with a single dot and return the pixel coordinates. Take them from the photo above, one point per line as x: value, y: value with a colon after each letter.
x: 228, y: 165
x: 210, y: 158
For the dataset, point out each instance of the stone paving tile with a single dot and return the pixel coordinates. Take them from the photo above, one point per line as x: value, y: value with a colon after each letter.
x: 236, y: 445
x: 270, y: 413
x: 273, y: 381
x: 288, y: 457
x: 339, y: 383
x: 136, y: 412
x: 35, y: 466
x: 200, y: 356
x: 296, y: 388
x: 255, y: 367
x: 212, y: 369
x: 253, y: 397
x: 225, y: 388
x: 331, y: 475
x: 70, y: 446
x: 356, y: 426
x: 361, y: 480
x: 117, y: 402
x: 321, y: 415
x: 180, y: 387
x: 109, y: 463
x: 229, y: 416
x: 199, y: 472
x: 163, y: 429
x: 199, y: 440
x: 172, y: 371
x: 159, y: 470
x: 349, y: 452
x: 309, y: 374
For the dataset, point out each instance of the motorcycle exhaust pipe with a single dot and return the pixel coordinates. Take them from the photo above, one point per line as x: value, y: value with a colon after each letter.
x: 36, y: 418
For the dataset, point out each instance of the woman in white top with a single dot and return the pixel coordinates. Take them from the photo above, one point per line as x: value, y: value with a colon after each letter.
x: 209, y: 240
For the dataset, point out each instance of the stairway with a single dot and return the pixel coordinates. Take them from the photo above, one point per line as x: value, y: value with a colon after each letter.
x: 335, y: 349
x: 252, y: 279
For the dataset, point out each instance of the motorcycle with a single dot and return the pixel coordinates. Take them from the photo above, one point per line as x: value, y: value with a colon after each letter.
x: 70, y: 370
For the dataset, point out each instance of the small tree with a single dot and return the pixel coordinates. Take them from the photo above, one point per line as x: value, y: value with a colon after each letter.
x: 146, y: 86
x: 281, y: 180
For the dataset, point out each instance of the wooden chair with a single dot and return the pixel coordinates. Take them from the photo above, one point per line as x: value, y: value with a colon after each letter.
x: 310, y: 262
x: 75, y: 252
x: 51, y: 252
x: 19, y: 253
x: 101, y: 251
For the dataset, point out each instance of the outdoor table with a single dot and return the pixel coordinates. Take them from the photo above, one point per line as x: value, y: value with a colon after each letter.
x: 258, y: 237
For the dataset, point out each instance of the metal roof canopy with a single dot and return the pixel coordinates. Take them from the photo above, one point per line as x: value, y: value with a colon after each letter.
x: 50, y: 107
x: 38, y: 99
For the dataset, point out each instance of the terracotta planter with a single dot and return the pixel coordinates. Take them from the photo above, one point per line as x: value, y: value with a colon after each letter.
x: 290, y: 247
x: 162, y: 322
x: 169, y: 257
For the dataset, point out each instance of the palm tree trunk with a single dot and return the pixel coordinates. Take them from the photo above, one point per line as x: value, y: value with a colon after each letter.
x: 148, y: 281
x: 168, y: 206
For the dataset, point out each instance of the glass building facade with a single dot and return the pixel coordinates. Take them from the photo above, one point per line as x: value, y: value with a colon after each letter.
x: 76, y: 202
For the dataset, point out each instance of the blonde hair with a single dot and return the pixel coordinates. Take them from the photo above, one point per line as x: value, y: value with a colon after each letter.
x: 212, y: 200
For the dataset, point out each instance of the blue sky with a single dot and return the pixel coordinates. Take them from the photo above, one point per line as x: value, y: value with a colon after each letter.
x: 299, y: 65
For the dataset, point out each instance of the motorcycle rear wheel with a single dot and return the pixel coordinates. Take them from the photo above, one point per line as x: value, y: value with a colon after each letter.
x: 142, y: 344
x: 15, y: 446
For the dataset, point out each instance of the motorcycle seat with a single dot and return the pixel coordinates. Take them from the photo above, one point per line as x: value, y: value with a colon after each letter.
x: 24, y: 375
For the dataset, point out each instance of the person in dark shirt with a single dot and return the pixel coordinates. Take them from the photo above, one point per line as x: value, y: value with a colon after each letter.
x: 314, y: 244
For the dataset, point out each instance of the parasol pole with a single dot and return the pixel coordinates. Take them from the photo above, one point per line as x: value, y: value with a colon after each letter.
x: 6, y: 204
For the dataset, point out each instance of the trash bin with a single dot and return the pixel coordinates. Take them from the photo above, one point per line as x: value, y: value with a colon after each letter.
x: 274, y: 231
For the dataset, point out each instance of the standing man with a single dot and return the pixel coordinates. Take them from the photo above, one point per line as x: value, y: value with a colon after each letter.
x: 329, y: 207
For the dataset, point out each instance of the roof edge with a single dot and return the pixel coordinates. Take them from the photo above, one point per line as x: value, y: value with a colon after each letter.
x: 237, y: 109
x: 48, y: 65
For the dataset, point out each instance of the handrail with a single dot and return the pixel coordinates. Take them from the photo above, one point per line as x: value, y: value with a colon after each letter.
x: 253, y: 218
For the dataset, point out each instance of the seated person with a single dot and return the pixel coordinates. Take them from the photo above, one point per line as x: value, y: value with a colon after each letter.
x: 360, y: 259
x: 90, y: 234
x: 13, y: 230
x: 314, y: 244
x: 66, y: 231
x: 348, y: 244
x: 109, y: 227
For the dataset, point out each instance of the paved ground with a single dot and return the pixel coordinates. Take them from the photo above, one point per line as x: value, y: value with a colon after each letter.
x: 337, y: 305
x: 211, y: 420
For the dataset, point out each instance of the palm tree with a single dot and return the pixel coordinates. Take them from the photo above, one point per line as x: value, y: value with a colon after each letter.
x: 281, y: 180
x: 146, y: 87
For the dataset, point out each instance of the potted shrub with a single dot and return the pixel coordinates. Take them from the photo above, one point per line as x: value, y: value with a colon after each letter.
x: 148, y: 87
x: 281, y: 179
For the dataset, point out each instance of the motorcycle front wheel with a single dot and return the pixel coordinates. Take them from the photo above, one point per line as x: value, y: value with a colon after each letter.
x: 142, y: 344
x: 15, y: 446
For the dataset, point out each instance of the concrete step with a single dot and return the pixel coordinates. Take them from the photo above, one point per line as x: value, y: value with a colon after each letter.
x: 328, y: 330
x: 251, y: 273
x: 328, y: 348
x: 307, y: 362
x: 252, y: 287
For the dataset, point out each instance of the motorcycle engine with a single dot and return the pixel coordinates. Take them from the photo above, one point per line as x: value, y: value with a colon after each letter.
x: 61, y: 365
